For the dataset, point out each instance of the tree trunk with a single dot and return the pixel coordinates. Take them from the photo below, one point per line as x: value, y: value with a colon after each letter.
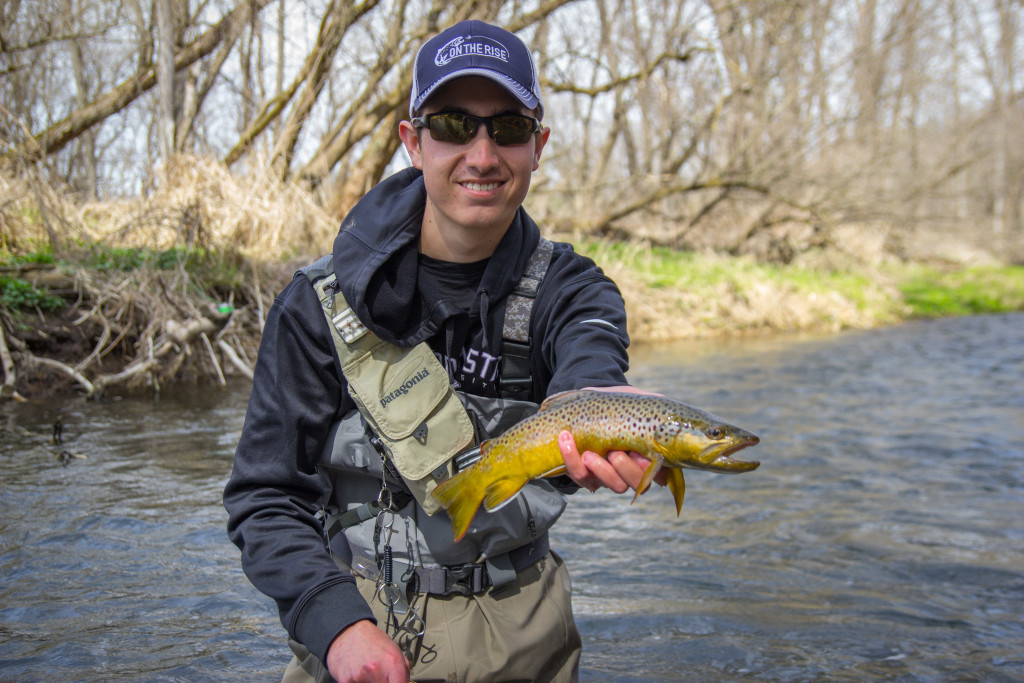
x: 87, y: 153
x: 165, y: 77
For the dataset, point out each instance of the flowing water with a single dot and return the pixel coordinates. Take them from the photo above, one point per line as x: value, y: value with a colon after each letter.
x: 881, y: 538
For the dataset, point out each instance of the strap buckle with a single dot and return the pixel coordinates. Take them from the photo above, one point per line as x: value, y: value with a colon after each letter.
x: 349, y: 326
x: 467, y: 579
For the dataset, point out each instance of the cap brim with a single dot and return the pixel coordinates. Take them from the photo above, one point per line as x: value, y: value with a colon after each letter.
x: 521, y: 93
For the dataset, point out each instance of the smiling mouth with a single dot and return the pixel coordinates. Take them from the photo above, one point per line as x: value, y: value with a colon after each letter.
x: 481, y: 187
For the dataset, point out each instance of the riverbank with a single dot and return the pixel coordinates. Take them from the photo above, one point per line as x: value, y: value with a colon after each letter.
x: 114, y: 320
x: 682, y: 295
x: 101, y: 297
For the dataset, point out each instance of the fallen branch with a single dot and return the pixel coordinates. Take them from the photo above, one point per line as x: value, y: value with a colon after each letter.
x: 90, y: 389
x: 230, y: 354
x: 125, y: 376
x: 213, y: 359
x: 7, y: 389
x: 104, y: 338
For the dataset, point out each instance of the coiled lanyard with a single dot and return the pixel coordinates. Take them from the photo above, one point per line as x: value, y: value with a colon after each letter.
x: 387, y: 590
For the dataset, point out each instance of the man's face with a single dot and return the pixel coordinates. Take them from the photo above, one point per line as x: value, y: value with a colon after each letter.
x: 473, y: 188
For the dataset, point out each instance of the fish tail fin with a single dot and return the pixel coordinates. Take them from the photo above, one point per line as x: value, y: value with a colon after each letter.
x: 461, y: 496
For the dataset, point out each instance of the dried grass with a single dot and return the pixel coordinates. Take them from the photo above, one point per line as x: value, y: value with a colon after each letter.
x: 257, y: 214
x: 197, y: 202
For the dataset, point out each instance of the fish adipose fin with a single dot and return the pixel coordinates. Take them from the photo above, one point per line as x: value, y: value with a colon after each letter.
x: 677, y: 485
x: 461, y: 496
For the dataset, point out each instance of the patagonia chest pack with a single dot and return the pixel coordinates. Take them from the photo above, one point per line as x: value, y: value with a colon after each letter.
x: 405, y: 395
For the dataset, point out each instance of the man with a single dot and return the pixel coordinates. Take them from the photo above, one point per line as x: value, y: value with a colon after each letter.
x: 352, y: 419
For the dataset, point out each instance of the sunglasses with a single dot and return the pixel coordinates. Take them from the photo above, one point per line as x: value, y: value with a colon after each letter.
x: 459, y: 128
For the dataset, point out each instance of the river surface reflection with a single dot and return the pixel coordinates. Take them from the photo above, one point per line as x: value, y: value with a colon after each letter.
x: 882, y: 537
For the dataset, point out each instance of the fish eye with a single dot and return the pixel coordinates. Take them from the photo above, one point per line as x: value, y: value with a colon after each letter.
x: 715, y: 432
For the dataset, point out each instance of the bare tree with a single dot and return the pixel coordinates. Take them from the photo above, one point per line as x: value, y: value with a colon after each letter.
x: 165, y: 76
x: 748, y: 125
x: 58, y: 135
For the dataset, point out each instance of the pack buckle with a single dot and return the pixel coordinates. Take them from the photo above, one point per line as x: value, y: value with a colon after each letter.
x: 349, y: 326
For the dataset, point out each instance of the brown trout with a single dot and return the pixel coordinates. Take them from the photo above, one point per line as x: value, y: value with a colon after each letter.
x: 669, y: 433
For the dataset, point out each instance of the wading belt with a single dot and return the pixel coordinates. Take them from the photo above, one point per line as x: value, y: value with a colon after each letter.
x: 466, y: 579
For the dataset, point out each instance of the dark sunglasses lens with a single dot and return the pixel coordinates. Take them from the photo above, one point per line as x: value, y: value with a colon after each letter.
x: 511, y: 129
x: 455, y: 128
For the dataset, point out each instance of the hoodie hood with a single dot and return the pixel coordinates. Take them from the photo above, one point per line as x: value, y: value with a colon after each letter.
x: 376, y: 257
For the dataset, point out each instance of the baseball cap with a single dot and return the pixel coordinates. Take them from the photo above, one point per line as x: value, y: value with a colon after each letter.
x: 475, y: 48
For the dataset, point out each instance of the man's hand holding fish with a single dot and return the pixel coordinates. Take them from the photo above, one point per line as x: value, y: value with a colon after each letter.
x: 618, y: 471
x: 621, y: 426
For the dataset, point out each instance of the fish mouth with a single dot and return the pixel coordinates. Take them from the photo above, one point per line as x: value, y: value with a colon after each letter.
x: 719, y: 456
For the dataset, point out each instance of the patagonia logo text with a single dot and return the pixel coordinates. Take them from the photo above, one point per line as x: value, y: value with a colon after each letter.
x: 480, y: 47
x: 404, y: 388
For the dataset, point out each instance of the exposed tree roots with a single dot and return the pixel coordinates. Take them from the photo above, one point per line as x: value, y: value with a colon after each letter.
x: 127, y: 331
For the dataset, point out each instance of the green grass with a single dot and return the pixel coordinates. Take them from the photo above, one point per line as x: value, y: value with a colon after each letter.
x: 218, y: 269
x: 885, y: 294
x: 932, y: 293
x: 132, y: 258
x: 888, y: 293
x: 44, y: 256
x: 211, y: 273
x: 661, y: 267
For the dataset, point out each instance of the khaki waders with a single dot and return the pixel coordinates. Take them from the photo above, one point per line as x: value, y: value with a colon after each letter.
x: 536, y: 641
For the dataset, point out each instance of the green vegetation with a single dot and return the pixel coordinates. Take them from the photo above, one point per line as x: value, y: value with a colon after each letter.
x: 209, y: 274
x: 663, y: 268
x: 930, y: 292
x: 44, y: 257
x: 196, y: 260
x: 17, y: 294
x: 670, y: 293
x: 878, y: 294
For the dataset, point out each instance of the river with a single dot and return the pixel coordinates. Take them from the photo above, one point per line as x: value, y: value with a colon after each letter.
x: 881, y: 538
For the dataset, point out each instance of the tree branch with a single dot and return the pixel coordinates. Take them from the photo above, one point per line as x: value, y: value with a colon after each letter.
x: 57, y: 136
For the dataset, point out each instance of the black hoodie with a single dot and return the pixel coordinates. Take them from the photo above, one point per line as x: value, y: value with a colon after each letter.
x: 579, y: 337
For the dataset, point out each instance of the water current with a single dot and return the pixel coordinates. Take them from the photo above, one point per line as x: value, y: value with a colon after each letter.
x: 882, y: 537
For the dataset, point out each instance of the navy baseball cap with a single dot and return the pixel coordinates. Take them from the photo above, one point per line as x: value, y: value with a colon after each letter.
x: 475, y: 48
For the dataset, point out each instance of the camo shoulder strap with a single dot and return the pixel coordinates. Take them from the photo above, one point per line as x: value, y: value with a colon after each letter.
x: 516, y: 380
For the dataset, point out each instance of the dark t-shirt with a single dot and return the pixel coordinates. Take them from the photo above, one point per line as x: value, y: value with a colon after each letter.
x: 470, y: 369
x: 455, y: 281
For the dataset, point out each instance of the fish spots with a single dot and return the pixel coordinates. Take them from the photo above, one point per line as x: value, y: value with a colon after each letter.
x: 668, y: 432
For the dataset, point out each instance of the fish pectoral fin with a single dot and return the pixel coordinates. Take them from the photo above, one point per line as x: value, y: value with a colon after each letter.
x: 645, y: 481
x: 677, y: 485
x: 501, y: 492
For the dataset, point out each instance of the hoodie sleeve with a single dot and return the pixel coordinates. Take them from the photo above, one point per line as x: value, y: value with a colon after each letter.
x: 274, y: 490
x: 580, y: 325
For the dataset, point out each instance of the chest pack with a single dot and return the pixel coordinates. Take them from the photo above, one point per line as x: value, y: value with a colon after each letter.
x: 404, y: 394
